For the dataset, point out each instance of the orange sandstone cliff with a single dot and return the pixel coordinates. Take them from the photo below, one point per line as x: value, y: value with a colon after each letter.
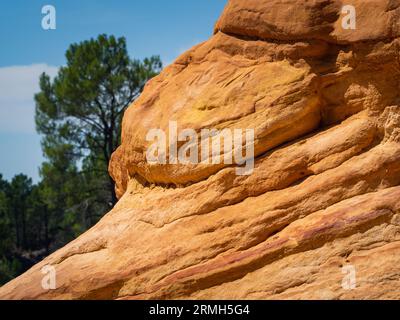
x: 324, y: 103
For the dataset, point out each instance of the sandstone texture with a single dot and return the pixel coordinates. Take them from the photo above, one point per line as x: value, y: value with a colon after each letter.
x: 325, y: 192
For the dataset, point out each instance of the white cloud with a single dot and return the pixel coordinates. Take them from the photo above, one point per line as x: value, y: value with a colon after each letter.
x: 18, y: 84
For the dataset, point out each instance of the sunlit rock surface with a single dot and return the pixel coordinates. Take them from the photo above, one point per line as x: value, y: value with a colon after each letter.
x: 325, y: 192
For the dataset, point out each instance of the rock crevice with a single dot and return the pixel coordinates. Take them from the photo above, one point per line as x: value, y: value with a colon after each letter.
x: 324, y: 103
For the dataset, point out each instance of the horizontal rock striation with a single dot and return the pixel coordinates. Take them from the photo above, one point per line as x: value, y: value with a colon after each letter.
x: 324, y: 103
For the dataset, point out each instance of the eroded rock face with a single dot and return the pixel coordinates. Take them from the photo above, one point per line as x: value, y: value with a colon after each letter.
x: 324, y: 103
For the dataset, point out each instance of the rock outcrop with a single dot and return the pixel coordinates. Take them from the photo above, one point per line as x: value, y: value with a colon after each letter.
x: 324, y: 196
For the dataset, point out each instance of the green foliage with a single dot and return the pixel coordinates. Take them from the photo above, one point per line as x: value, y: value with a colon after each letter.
x: 78, y: 114
x: 9, y: 269
x: 5, y: 223
x: 18, y: 226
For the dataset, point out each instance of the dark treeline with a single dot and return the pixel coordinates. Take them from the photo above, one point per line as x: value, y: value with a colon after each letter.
x: 78, y: 114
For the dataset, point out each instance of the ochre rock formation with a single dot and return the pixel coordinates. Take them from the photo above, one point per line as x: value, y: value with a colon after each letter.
x: 325, y: 192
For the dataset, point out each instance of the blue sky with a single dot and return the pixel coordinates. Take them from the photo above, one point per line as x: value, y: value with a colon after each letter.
x: 167, y: 28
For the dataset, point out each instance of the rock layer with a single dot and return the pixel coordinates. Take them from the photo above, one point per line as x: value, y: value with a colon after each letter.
x: 325, y: 192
